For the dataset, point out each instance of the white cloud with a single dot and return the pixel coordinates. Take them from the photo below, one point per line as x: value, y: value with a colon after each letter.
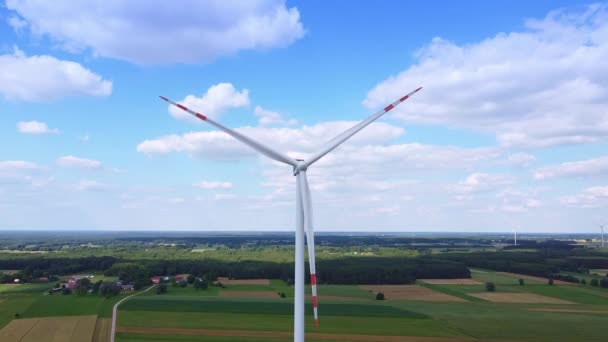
x: 152, y: 32
x: 593, y: 197
x: 18, y: 166
x: 212, y: 185
x: 521, y: 159
x: 91, y: 185
x: 483, y: 182
x: 215, y: 101
x: 81, y: 163
x: 583, y: 168
x: 85, y: 138
x: 306, y: 139
x: 545, y: 86
x: 270, y: 118
x: 389, y: 210
x: 42, y: 78
x: 35, y: 127
x: 224, y: 197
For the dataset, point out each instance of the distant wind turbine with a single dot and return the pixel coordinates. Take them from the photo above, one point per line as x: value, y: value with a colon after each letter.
x: 602, y: 229
x: 303, y: 202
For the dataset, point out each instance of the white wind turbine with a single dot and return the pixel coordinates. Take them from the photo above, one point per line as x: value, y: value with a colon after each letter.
x: 303, y: 202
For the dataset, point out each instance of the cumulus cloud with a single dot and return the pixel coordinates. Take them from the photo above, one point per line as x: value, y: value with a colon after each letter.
x: 18, y: 166
x: 269, y: 118
x: 81, y: 163
x: 212, y: 185
x: 544, y: 86
x: 217, y: 99
x: 20, y: 172
x: 43, y: 78
x: 153, y: 32
x: 35, y: 127
x: 521, y: 159
x: 92, y: 185
x: 583, y: 168
x: 592, y: 197
x: 483, y: 182
x: 306, y: 139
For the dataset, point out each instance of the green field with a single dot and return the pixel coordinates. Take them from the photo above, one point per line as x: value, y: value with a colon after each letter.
x: 24, y: 288
x: 476, y: 318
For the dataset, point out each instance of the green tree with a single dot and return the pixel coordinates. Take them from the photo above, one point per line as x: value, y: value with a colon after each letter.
x: 521, y: 281
x: 550, y: 282
x: 109, y: 289
x: 82, y: 286
x: 490, y: 287
x: 201, y: 284
x: 191, y: 279
x: 162, y: 288
x: 379, y: 296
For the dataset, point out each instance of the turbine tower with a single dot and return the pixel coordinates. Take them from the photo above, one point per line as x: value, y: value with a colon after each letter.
x: 514, y: 237
x: 602, y: 229
x: 303, y: 202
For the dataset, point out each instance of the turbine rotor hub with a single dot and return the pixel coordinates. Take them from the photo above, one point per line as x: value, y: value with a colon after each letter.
x: 301, y: 166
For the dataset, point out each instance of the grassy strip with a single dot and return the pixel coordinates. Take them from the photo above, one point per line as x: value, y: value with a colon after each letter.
x: 276, y: 307
x: 451, y: 291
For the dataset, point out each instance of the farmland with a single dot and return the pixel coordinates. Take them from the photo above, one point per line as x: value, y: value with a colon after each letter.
x: 440, y: 305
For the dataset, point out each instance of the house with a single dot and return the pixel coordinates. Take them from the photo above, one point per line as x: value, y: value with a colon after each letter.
x: 127, y: 287
x: 16, y: 281
x: 158, y: 279
x: 181, y: 277
x: 69, y: 285
x: 45, y: 279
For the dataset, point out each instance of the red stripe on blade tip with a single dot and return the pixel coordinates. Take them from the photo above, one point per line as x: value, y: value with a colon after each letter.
x: 200, y: 116
x: 164, y: 98
x: 314, y: 301
x: 181, y: 107
x: 313, y: 279
x: 389, y: 107
x: 403, y: 98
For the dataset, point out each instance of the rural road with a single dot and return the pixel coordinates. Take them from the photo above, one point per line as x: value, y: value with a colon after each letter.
x: 115, y: 309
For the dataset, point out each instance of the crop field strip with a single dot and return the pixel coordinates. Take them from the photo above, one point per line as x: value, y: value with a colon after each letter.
x: 464, y: 281
x: 411, y: 292
x: 50, y: 329
x: 523, y: 298
x: 288, y: 335
x: 102, y: 330
x: 217, y: 305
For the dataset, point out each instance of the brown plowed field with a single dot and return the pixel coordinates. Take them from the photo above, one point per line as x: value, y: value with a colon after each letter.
x: 509, y: 297
x: 523, y: 276
x: 50, y: 329
x: 102, y: 330
x: 411, y: 292
x: 281, y: 334
x: 249, y: 294
x: 227, y: 281
x: 463, y: 281
x: 570, y: 310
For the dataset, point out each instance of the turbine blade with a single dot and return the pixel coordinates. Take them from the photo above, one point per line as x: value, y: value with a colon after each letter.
x: 339, y: 139
x: 310, y: 240
x: 265, y: 150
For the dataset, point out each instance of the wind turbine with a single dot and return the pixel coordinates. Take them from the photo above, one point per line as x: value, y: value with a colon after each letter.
x: 602, y: 228
x: 303, y: 202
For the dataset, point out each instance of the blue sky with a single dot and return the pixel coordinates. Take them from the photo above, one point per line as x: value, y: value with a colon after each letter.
x: 509, y: 131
